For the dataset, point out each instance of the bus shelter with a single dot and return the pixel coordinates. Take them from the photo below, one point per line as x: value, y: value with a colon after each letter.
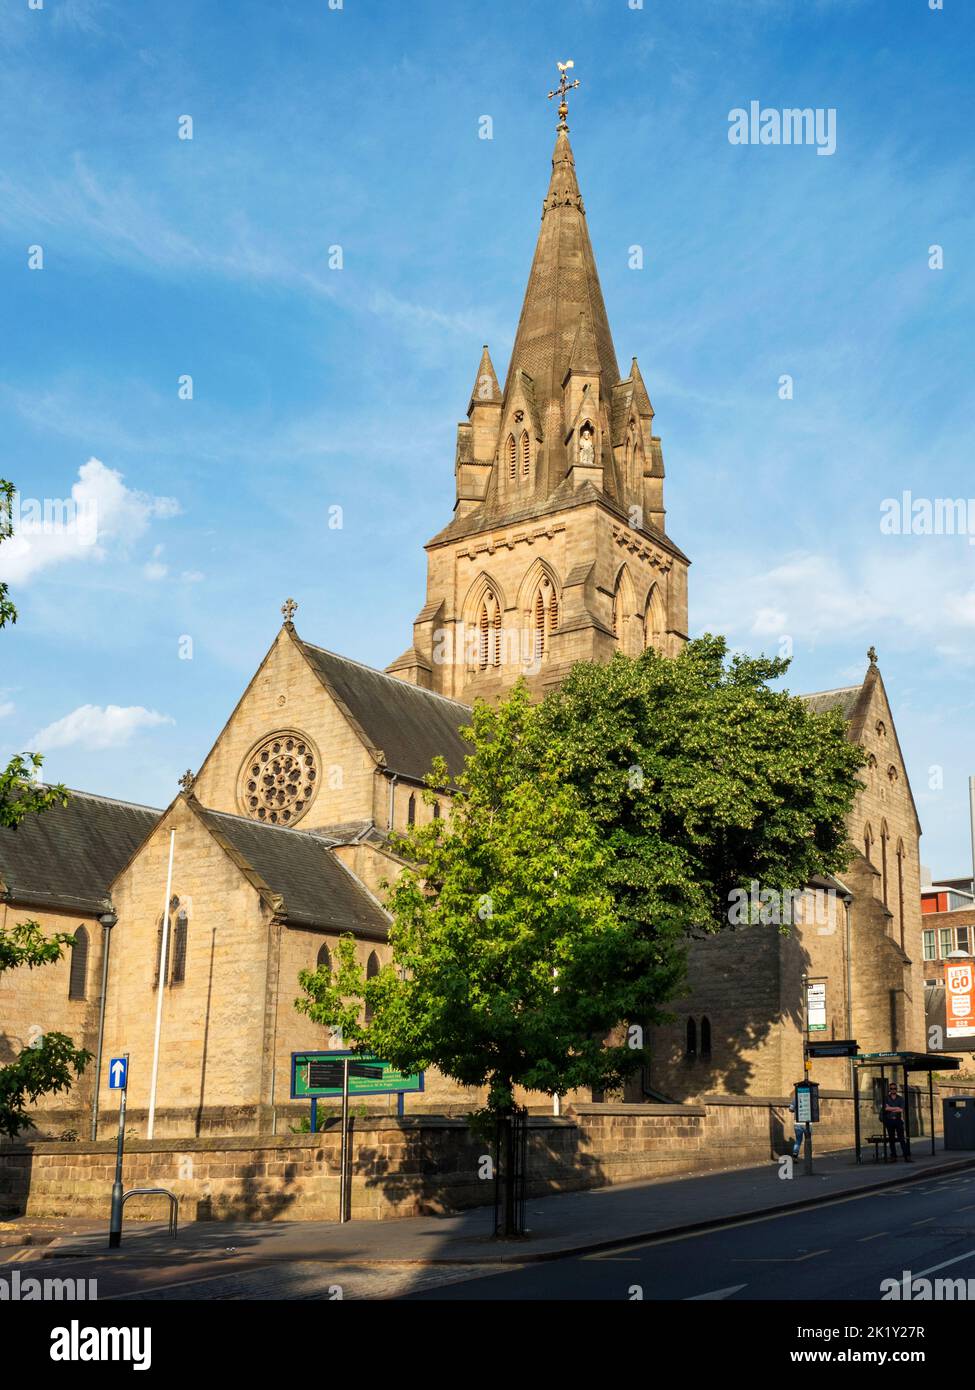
x: 898, y: 1067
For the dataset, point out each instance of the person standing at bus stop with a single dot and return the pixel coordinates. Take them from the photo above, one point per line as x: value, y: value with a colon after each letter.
x: 894, y: 1123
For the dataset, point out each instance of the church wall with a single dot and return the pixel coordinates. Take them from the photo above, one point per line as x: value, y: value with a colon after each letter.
x: 36, y: 1001
x: 294, y: 1032
x: 217, y: 1015
x: 887, y: 800
x: 402, y: 791
x: 733, y: 980
x: 286, y: 694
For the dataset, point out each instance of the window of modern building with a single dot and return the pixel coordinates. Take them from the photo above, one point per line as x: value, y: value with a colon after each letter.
x: 944, y: 938
x: 930, y: 949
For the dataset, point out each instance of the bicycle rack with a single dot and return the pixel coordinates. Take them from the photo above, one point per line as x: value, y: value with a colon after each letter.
x: 157, y: 1192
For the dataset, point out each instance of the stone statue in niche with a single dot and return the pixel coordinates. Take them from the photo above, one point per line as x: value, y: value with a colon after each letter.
x: 587, y: 453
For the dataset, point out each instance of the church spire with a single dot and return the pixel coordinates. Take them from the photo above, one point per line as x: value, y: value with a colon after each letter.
x: 563, y: 288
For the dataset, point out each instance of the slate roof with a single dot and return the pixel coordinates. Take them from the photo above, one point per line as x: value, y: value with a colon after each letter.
x: 67, y: 856
x: 299, y: 867
x: 410, y: 725
x: 844, y: 700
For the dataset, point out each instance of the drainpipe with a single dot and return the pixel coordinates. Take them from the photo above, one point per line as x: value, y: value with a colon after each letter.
x: 107, y: 920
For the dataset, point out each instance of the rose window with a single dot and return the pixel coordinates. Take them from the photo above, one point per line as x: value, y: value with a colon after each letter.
x: 279, y: 779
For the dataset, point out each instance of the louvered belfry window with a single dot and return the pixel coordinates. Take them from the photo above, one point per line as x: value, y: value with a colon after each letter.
x: 489, y: 633
x: 511, y: 456
x: 544, y: 615
x: 526, y: 454
x: 78, y: 975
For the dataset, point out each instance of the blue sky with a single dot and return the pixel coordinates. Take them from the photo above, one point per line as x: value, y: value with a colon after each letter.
x: 315, y: 387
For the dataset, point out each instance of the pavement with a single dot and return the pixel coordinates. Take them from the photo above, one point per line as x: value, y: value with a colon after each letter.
x: 570, y: 1224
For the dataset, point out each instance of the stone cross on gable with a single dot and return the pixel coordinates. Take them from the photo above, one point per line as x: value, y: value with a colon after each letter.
x: 289, y: 608
x: 872, y: 656
x: 187, y: 780
x: 564, y: 86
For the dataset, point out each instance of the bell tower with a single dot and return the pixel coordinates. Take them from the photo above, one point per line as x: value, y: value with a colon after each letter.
x: 557, y: 550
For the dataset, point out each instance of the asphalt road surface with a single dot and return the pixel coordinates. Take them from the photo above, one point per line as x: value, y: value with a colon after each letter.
x: 839, y: 1250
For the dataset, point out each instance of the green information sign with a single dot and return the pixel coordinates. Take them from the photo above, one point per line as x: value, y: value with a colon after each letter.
x: 315, y: 1074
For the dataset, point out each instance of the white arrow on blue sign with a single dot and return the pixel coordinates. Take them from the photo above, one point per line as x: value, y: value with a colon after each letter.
x: 118, y: 1070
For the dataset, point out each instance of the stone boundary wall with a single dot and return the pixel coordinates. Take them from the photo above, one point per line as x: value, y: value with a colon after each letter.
x: 419, y: 1165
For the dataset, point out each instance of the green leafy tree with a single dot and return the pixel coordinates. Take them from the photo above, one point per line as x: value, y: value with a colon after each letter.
x: 589, y: 836
x: 51, y: 1061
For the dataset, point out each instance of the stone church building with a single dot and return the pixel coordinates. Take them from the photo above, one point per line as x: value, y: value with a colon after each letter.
x: 557, y: 551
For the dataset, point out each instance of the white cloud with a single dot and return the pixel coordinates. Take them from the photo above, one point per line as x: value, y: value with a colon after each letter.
x: 906, y: 589
x: 6, y: 707
x: 92, y: 727
x: 100, y: 512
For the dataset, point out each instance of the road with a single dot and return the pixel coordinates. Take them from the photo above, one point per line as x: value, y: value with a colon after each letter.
x: 840, y: 1250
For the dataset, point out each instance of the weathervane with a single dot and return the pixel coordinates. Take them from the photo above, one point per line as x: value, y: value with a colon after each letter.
x: 564, y: 86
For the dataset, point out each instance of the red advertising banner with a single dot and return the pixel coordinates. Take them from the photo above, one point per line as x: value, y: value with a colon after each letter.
x: 959, y: 998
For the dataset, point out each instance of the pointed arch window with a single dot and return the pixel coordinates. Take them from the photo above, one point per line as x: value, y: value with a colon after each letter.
x: 511, y: 457
x: 653, y: 619
x: 78, y: 974
x: 372, y: 970
x: 179, y: 948
x: 526, y: 454
x: 706, y: 1039
x: 489, y: 632
x: 884, y: 837
x: 868, y: 844
x: 324, y: 958
x: 411, y: 810
x: 544, y: 615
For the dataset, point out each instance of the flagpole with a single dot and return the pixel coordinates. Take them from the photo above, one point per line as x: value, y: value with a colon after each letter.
x: 163, y: 957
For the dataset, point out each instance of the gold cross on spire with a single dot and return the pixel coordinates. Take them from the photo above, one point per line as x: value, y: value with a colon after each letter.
x: 564, y: 86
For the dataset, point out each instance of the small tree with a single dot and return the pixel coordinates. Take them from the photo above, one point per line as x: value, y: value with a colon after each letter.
x: 51, y: 1060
